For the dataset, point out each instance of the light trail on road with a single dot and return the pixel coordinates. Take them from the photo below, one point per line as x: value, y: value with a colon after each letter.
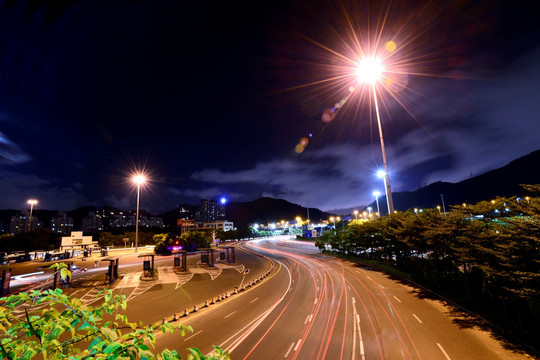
x: 315, y: 306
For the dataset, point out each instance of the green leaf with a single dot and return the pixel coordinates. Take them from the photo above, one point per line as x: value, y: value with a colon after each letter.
x: 112, y: 347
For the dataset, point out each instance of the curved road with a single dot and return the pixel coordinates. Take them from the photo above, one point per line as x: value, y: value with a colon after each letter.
x: 319, y: 307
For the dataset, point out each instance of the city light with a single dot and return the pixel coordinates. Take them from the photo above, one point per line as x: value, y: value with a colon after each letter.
x: 223, y: 201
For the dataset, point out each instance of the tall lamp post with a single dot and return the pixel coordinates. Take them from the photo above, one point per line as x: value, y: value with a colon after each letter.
x: 377, y: 193
x: 356, y: 214
x: 32, y: 202
x: 369, y: 71
x: 139, y: 180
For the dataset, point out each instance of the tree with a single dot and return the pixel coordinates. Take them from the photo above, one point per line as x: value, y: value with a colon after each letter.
x: 56, y: 326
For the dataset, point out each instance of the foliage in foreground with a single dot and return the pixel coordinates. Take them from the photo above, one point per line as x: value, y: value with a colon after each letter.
x: 52, y: 325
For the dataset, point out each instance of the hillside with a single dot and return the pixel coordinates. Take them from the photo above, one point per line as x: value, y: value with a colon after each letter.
x: 504, y: 182
x: 268, y: 210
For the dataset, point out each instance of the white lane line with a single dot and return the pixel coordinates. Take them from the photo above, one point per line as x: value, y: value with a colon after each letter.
x: 369, y: 277
x: 307, y: 319
x: 315, y: 301
x: 317, y: 289
x: 230, y: 314
x: 289, y: 351
x: 357, y: 329
x: 358, y: 271
x: 416, y: 317
x: 189, y: 337
x: 381, y: 286
x: 252, y: 301
x: 397, y: 299
x: 353, y: 300
x: 444, y: 352
x: 354, y: 335
x: 297, y: 345
x: 310, y: 317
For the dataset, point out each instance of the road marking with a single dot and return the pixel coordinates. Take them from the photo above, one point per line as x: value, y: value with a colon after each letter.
x: 444, y: 352
x: 358, y: 271
x: 252, y: 301
x: 317, y: 289
x: 315, y: 301
x: 307, y: 319
x: 369, y: 277
x: 297, y: 345
x: 357, y: 330
x: 420, y: 321
x: 310, y: 317
x: 353, y: 300
x: 397, y: 299
x: 189, y: 337
x: 348, y: 287
x: 230, y: 314
x: 289, y: 351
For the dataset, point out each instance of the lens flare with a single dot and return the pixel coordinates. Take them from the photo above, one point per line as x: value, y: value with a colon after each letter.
x: 390, y: 46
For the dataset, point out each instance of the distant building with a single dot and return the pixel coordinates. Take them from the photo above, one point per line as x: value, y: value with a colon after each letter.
x: 109, y: 218
x: 77, y: 241
x: 62, y: 224
x: 92, y: 223
x: 190, y: 225
x: 186, y: 225
x: 20, y: 223
x: 211, y: 210
x: 223, y: 225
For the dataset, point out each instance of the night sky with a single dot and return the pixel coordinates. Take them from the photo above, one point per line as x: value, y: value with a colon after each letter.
x: 212, y: 98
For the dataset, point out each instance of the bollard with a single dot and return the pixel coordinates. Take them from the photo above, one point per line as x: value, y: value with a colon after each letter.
x: 235, y: 290
x: 195, y: 308
x: 206, y: 303
x: 213, y: 301
x: 186, y: 312
x: 165, y: 321
x: 176, y: 316
x: 243, y: 288
x: 227, y: 295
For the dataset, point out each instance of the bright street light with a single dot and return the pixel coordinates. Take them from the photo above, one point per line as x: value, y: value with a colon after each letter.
x: 139, y: 180
x: 32, y: 202
x: 369, y: 71
x: 356, y: 214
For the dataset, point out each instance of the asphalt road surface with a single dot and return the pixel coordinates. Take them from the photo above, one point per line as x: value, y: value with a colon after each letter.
x: 314, y: 306
x: 307, y: 306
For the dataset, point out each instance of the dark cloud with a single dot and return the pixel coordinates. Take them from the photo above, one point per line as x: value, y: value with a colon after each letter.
x: 214, y: 97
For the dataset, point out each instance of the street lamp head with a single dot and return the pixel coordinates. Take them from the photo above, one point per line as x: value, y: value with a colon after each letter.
x: 381, y: 174
x: 376, y: 193
x: 32, y: 202
x: 139, y: 179
x: 355, y: 212
x: 223, y: 201
x: 369, y: 70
